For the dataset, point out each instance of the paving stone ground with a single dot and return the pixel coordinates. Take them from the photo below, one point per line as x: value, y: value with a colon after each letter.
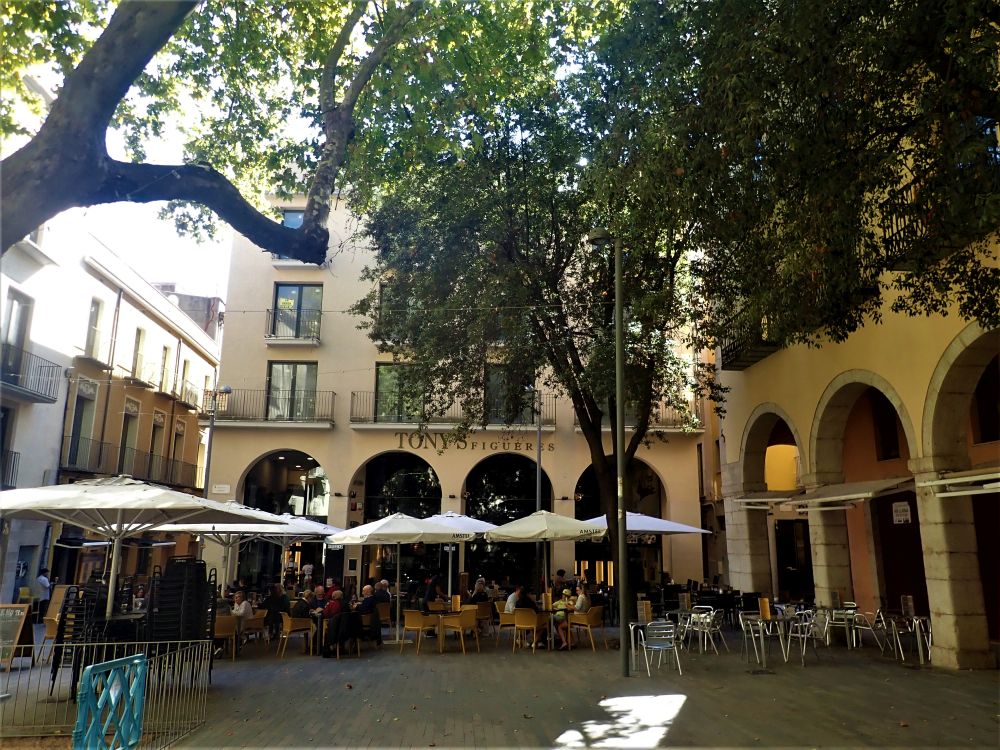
x: 496, y: 699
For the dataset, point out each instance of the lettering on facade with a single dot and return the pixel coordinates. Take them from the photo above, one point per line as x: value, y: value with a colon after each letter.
x: 132, y: 407
x: 431, y: 441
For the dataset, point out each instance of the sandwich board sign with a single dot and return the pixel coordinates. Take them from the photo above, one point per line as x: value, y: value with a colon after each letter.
x: 14, y: 632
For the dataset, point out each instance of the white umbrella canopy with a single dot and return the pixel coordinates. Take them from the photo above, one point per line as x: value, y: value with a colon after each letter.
x: 118, y: 507
x: 460, y: 522
x: 398, y: 529
x: 639, y: 523
x: 284, y: 531
x: 543, y: 526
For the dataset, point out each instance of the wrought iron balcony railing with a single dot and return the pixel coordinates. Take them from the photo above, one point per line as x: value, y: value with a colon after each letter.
x: 8, y: 469
x: 29, y: 376
x: 274, y: 406
x: 95, y: 457
x: 663, y: 417
x: 368, y: 407
x: 746, y: 341
x: 293, y: 324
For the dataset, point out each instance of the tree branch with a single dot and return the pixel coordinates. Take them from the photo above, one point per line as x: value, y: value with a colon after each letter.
x: 145, y: 183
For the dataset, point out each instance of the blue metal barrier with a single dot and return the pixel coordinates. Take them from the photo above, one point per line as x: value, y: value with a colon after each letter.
x: 110, y: 705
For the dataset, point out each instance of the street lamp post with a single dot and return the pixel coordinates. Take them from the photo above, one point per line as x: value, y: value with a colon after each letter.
x: 208, y: 468
x: 537, y: 396
x: 599, y: 237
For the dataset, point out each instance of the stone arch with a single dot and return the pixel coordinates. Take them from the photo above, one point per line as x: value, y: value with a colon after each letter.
x: 251, y: 464
x: 826, y: 438
x: 359, y: 470
x: 949, y: 396
x: 753, y: 447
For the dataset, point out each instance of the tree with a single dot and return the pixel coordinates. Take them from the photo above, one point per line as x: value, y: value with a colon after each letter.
x: 251, y: 66
x: 481, y: 275
x: 847, y: 152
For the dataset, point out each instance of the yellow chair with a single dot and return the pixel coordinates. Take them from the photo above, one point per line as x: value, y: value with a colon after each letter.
x: 51, y: 628
x: 438, y: 606
x: 527, y: 619
x: 384, y: 613
x: 291, y: 625
x: 464, y: 620
x: 506, y: 619
x: 588, y: 620
x: 484, y: 615
x: 254, y: 626
x: 225, y: 630
x: 418, y: 622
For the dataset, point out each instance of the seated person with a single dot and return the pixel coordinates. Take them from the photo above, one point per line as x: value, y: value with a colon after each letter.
x: 582, y: 600
x: 435, y: 592
x: 321, y: 597
x: 367, y: 607
x: 525, y: 601
x: 562, y: 607
x: 382, y: 592
x: 559, y: 580
x: 367, y: 603
x: 242, y: 610
x: 223, y: 607
x: 479, y: 594
x: 334, y: 605
x: 275, y: 603
x: 303, y: 606
x: 514, y: 598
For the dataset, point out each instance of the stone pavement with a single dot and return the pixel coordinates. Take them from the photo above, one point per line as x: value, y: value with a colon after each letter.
x: 496, y: 699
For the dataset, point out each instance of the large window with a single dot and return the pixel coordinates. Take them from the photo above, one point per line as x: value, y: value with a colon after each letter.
x: 396, y: 399
x: 291, y: 391
x: 297, y: 311
x: 16, y: 321
x: 93, y: 345
x: 508, y: 401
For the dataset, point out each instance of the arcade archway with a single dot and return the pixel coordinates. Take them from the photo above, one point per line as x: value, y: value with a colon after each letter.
x: 500, y: 489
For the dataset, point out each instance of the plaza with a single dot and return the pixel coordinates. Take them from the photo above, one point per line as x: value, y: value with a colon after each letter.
x: 498, y: 699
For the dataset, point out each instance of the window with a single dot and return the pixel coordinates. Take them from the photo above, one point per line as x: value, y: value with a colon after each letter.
x: 291, y: 391
x: 885, y: 422
x: 140, y: 341
x: 17, y: 318
x: 292, y: 217
x: 130, y: 431
x: 508, y: 402
x: 156, y: 448
x: 93, y: 346
x: 165, y: 370
x: 297, y: 311
x: 396, y: 399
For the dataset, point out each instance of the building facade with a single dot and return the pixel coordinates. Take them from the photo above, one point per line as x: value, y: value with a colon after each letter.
x: 317, y: 423
x: 103, y: 375
x: 867, y: 470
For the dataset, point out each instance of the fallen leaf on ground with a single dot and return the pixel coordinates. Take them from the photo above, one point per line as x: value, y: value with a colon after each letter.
x: 527, y: 716
x: 904, y: 724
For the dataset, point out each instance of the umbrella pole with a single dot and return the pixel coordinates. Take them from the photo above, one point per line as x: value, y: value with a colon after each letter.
x: 116, y: 553
x: 399, y: 562
x: 449, y: 570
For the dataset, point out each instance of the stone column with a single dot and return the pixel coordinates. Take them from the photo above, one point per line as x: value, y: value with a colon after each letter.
x: 831, y: 556
x: 747, y: 549
x: 954, y: 587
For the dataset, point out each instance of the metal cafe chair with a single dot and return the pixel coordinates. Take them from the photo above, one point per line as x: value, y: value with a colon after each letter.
x: 659, y: 637
x: 873, y: 623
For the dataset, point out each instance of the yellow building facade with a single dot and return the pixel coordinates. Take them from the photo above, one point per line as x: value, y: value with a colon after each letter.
x: 867, y: 471
x: 315, y: 425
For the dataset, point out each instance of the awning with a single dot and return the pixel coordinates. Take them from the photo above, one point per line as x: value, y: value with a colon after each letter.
x: 982, y: 481
x: 765, y: 500
x: 823, y: 498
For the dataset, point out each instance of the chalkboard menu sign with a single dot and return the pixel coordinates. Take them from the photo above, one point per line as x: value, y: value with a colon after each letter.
x: 14, y: 632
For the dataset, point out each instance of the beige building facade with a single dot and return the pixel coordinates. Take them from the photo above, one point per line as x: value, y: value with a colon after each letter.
x: 867, y: 471
x: 316, y: 425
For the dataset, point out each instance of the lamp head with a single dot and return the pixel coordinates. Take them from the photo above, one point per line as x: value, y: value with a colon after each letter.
x: 598, y: 237
x: 225, y: 389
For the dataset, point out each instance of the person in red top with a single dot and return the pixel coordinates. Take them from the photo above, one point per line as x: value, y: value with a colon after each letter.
x: 335, y: 605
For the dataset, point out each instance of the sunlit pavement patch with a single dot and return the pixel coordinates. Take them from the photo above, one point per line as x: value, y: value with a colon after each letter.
x: 635, y: 721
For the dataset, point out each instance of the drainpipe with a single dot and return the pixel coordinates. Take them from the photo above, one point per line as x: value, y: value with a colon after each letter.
x: 110, y: 370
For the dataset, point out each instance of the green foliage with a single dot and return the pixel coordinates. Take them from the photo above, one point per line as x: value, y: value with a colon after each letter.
x: 847, y: 151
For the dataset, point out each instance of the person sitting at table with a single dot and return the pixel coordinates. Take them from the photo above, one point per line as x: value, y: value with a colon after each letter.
x: 561, y: 616
x: 479, y: 594
x: 334, y: 605
x: 559, y: 580
x: 382, y: 592
x: 513, y: 599
x: 435, y: 592
x: 525, y: 601
x: 582, y: 600
x: 275, y: 603
x: 367, y: 607
x: 322, y: 597
x: 242, y: 611
x: 223, y: 607
x: 303, y: 605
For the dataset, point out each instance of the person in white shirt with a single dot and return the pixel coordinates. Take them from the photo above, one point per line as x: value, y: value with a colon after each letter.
x: 242, y: 611
x: 512, y: 599
x: 307, y: 575
x: 44, y: 592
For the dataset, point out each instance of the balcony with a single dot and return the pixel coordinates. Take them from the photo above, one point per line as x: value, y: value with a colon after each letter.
x: 391, y: 408
x: 746, y: 342
x: 28, y: 377
x: 293, y: 327
x: 94, y: 457
x: 663, y: 418
x: 96, y: 349
x: 279, y: 406
x: 8, y: 469
x: 188, y: 395
x: 143, y: 373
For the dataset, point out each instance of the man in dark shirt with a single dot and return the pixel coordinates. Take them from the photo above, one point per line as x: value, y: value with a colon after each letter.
x: 303, y: 605
x: 435, y: 592
x: 382, y: 592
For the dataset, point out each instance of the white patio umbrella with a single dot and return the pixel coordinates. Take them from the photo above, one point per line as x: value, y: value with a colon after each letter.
x: 460, y: 522
x: 116, y: 508
x: 639, y: 523
x: 543, y: 526
x: 399, y: 529
x: 285, y: 531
